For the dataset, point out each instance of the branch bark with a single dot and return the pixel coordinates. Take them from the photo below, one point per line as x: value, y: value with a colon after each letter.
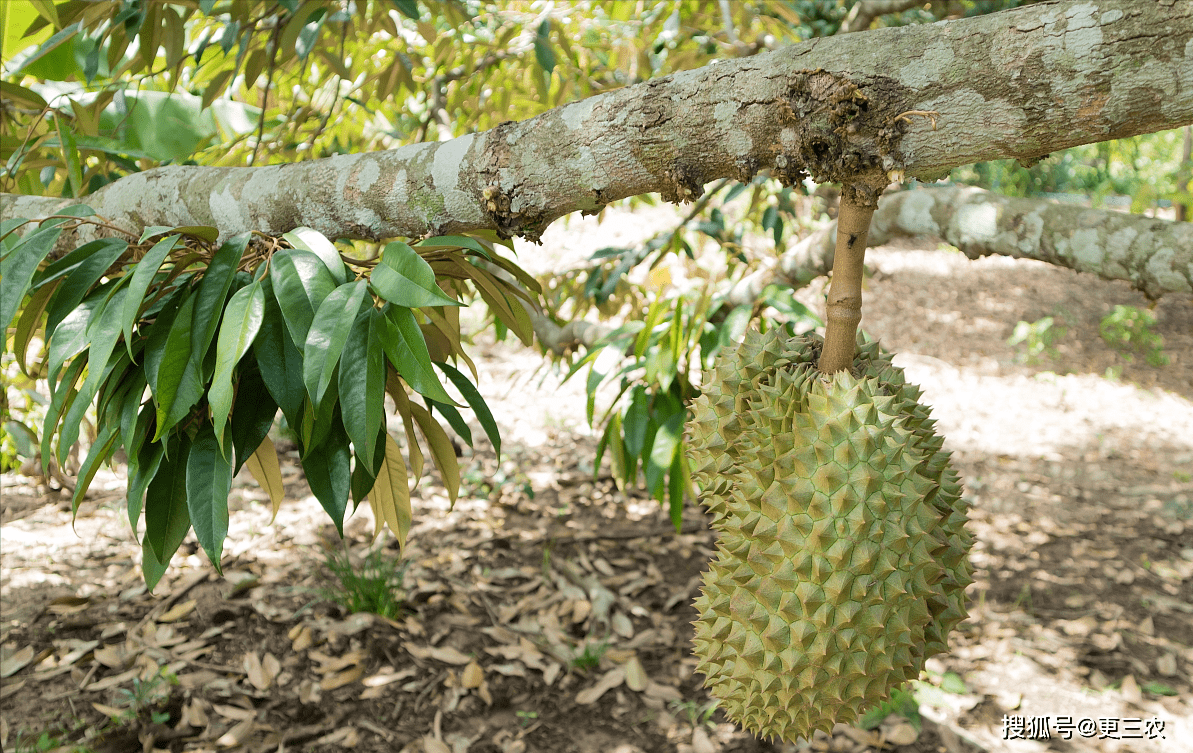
x: 1017, y: 84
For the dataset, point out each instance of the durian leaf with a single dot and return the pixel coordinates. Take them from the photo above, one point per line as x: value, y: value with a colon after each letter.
x: 328, y: 335
x: 279, y: 359
x: 442, y: 451
x: 101, y: 449
x: 212, y: 293
x: 208, y: 483
x: 28, y: 323
x: 62, y: 394
x: 143, y: 273
x: 362, y: 378
x: 79, y: 282
x: 475, y: 401
x: 103, y: 331
x: 329, y: 473
x: 676, y: 488
x: 242, y: 321
x: 267, y: 471
x: 306, y: 239
x: 253, y: 416
x: 167, y: 518
x: 390, y: 496
x: 454, y: 420
x: 405, y: 279
x: 637, y: 418
x: 300, y: 283
x: 17, y: 269
x: 407, y: 351
x: 149, y: 458
x: 393, y: 385
x: 179, y: 380
x: 69, y: 338
x: 152, y: 568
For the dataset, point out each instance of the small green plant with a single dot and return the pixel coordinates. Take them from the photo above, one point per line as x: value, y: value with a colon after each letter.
x: 1038, y: 338
x: 375, y: 585
x: 1130, y: 331
x: 590, y: 657
x: 525, y: 718
x: 144, y: 696
x: 696, y: 713
x: 901, y: 703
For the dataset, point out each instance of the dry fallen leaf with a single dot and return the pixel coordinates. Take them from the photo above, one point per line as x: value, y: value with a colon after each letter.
x: 623, y: 626
x: 445, y: 654
x: 113, y: 657
x: 902, y: 734
x: 610, y: 680
x: 257, y: 675
x: 340, y: 679
x: 302, y: 639
x: 236, y: 735
x: 16, y: 662
x: 473, y: 675
x: 635, y: 675
x: 68, y: 605
x: 431, y: 745
x: 1166, y: 665
x: 235, y: 713
x: 178, y: 612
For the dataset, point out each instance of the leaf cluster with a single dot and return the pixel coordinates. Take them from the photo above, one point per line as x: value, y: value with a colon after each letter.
x: 188, y: 350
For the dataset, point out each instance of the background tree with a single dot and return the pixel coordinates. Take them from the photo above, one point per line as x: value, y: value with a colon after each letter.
x: 173, y: 121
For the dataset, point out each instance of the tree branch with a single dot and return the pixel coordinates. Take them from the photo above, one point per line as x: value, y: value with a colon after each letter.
x: 863, y: 14
x: 1017, y: 84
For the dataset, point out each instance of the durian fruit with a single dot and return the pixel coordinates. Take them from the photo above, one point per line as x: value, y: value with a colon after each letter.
x: 841, y: 563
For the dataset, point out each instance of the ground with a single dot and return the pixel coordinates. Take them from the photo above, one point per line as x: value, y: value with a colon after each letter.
x: 550, y: 612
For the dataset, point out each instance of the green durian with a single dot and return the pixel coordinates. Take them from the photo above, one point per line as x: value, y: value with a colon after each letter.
x: 841, y: 563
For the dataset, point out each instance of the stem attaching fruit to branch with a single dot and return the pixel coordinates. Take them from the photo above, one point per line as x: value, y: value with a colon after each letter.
x: 844, y: 310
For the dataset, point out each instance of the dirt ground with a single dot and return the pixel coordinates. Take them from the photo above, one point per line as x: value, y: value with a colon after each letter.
x: 549, y: 612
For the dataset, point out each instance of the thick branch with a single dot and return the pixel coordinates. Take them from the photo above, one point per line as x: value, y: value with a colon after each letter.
x: 1154, y: 255
x: 1019, y: 84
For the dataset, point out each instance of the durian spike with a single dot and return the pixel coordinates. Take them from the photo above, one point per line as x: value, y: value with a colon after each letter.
x: 844, y: 310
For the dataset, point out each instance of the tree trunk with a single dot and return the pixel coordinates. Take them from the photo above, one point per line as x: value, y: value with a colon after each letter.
x: 859, y: 109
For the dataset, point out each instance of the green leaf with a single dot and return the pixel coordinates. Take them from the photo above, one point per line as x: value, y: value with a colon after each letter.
x: 61, y: 393
x: 328, y: 334
x: 143, y: 274
x: 149, y: 459
x: 17, y: 268
x: 101, y: 449
x: 479, y: 407
x: 242, y: 321
x: 408, y: 8
x: 279, y: 360
x: 208, y: 482
x: 328, y: 471
x: 70, y: 337
x: 81, y: 280
x: 637, y: 416
x: 300, y: 283
x: 103, y: 331
x: 455, y: 420
x: 252, y: 416
x: 28, y: 323
x: 542, y: 47
x: 306, y: 239
x: 179, y: 383
x: 159, y: 332
x: 152, y: 568
x: 71, y: 261
x: 407, y: 351
x: 405, y: 279
x: 679, y: 471
x: 212, y: 292
x: 167, y: 518
x: 662, y: 452
x: 362, y: 380
x: 455, y: 241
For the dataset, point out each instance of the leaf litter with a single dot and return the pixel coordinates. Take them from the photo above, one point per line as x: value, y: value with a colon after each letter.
x: 547, y: 611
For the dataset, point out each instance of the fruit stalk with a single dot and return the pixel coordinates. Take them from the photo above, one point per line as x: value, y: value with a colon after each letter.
x: 844, y: 310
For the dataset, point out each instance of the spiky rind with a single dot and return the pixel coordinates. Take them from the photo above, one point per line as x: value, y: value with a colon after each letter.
x: 842, y: 561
